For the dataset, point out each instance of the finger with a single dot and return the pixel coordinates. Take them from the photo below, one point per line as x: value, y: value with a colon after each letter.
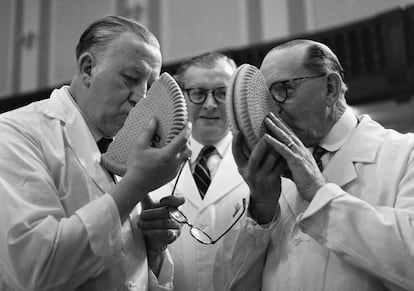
x: 146, y: 136
x: 257, y: 155
x: 155, y: 213
x: 278, y: 146
x: 172, y: 201
x: 162, y: 236
x: 268, y: 163
x: 279, y: 123
x: 239, y: 157
x: 148, y: 202
x: 158, y: 224
x: 184, y: 155
x: 276, y: 131
x: 180, y: 141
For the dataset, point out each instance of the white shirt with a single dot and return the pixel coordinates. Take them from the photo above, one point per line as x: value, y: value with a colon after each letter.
x: 215, y: 158
x: 338, y: 134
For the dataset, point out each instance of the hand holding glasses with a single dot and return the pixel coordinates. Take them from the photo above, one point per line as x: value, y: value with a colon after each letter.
x: 196, y: 232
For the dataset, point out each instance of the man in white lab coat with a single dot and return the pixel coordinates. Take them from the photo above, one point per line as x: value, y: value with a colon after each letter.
x: 345, y: 221
x: 204, y: 79
x: 64, y: 223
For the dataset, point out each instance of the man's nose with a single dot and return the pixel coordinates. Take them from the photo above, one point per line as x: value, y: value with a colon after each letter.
x: 210, y: 101
x: 138, y: 93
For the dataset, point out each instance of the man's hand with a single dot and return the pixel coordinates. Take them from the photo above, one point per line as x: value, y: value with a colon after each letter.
x: 261, y: 171
x: 149, y: 168
x: 156, y: 224
x: 306, y: 174
x: 158, y: 228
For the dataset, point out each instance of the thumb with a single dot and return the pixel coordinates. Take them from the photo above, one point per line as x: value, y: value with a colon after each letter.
x: 148, y: 203
x: 145, y: 138
x: 238, y: 153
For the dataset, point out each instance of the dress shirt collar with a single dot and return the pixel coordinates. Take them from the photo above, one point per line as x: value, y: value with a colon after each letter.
x: 220, y: 146
x: 96, y: 133
x: 340, y: 131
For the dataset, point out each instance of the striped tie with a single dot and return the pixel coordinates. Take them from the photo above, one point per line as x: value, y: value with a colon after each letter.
x: 318, y: 152
x: 201, y: 171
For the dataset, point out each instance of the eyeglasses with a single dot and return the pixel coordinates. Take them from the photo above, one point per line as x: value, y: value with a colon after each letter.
x: 279, y: 89
x: 196, y: 232
x: 199, y: 95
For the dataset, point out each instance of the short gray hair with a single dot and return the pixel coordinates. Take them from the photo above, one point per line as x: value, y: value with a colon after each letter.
x: 100, y: 34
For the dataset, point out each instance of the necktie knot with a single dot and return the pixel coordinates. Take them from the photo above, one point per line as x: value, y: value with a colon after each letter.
x: 201, y: 171
x: 103, y: 144
x: 206, y: 152
x: 318, y: 152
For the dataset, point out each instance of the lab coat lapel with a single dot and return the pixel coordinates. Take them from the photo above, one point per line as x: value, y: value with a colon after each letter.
x: 187, y: 186
x: 84, y: 146
x: 361, y: 147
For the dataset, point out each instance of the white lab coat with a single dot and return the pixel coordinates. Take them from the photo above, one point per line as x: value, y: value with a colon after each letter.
x: 356, y: 234
x: 193, y: 261
x: 52, y: 237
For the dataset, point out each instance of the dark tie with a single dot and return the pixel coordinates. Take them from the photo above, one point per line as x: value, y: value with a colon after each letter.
x: 103, y: 144
x: 318, y: 152
x: 201, y: 171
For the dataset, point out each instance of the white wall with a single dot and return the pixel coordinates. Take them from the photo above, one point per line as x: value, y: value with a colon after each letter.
x: 195, y: 26
x: 6, y: 39
x: 69, y: 20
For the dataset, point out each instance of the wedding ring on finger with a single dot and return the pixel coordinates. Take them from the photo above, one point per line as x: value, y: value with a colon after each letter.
x: 289, y: 145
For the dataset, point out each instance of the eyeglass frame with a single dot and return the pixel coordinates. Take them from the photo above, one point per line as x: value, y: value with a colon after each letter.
x: 192, y: 227
x: 285, y: 82
x: 206, y: 92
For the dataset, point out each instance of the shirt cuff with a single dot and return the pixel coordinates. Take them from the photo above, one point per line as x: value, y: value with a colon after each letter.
x: 103, y: 225
x: 255, y: 229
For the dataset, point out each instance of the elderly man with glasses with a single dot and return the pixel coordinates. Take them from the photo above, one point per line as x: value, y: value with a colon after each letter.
x: 344, y: 221
x: 214, y: 191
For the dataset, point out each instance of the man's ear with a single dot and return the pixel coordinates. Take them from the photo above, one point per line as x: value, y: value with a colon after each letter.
x: 333, y: 88
x: 86, y: 63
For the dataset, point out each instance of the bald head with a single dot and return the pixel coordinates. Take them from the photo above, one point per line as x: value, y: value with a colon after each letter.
x: 306, y: 80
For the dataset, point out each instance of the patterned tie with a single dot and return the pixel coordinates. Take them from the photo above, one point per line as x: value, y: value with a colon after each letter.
x: 201, y: 171
x: 103, y: 144
x: 318, y: 152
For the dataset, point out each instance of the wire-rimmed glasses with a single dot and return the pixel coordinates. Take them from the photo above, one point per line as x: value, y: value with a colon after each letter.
x: 199, y: 95
x: 196, y: 232
x: 279, y: 89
